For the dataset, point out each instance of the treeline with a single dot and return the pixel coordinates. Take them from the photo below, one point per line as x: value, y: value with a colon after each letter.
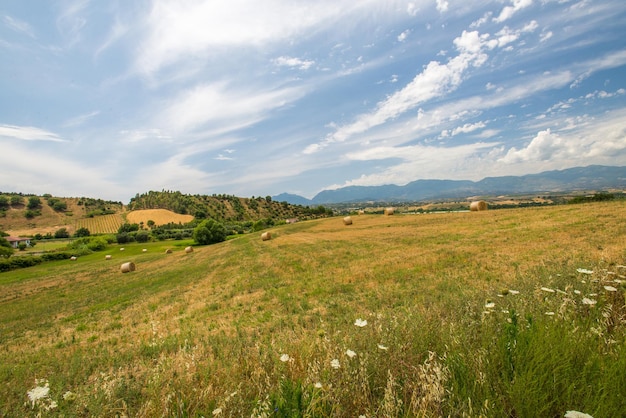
x: 225, y: 208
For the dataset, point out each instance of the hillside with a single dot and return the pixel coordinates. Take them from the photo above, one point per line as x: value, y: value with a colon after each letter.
x: 498, y: 314
x: 14, y: 217
x: 105, y: 217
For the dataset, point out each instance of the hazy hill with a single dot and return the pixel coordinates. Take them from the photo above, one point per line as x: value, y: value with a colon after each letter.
x: 580, y: 178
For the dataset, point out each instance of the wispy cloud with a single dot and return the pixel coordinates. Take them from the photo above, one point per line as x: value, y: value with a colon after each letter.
x: 219, y: 104
x: 508, y: 11
x: 293, y: 62
x: 81, y: 119
x: 18, y: 25
x: 28, y: 133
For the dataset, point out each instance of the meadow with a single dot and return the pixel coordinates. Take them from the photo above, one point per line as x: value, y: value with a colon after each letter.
x: 501, y: 313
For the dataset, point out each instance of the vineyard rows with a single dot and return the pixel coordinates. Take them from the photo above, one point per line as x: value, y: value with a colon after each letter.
x: 105, y: 224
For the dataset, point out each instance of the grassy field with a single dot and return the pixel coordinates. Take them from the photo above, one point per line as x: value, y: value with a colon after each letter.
x: 507, y: 313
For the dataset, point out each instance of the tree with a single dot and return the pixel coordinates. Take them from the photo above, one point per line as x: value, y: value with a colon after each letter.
x: 16, y: 200
x: 4, y: 202
x: 82, y: 232
x: 59, y: 206
x: 142, y: 236
x: 61, y: 233
x: 33, y: 202
x: 209, y: 232
x: 6, y: 250
x: 128, y: 228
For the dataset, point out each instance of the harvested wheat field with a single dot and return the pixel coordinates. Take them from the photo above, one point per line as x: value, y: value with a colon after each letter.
x: 498, y: 313
x: 159, y: 216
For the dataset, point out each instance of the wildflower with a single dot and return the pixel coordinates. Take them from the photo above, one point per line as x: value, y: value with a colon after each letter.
x: 587, y: 301
x: 584, y: 271
x: 318, y: 385
x: 334, y: 363
x: 576, y: 414
x: 360, y: 322
x: 382, y: 347
x: 69, y: 396
x: 547, y: 289
x: 610, y: 289
x: 514, y: 292
x: 350, y: 353
x: 490, y: 305
x: 285, y: 358
x: 38, y: 392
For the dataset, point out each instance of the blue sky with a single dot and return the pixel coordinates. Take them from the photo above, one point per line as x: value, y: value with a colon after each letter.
x: 111, y: 98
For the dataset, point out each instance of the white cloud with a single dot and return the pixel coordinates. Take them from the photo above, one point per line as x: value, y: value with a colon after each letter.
x: 435, y: 80
x: 545, y: 36
x: 508, y: 11
x: 218, y: 104
x: 467, y: 128
x: 442, y: 6
x: 402, y: 37
x: 478, y: 23
x: 175, y: 30
x: 293, y: 62
x: 412, y: 9
x: 545, y: 146
x: 28, y: 133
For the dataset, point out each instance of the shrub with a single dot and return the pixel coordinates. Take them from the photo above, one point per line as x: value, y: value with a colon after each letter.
x: 61, y: 233
x: 209, y: 232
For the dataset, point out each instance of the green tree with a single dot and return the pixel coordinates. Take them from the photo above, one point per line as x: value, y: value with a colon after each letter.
x: 82, y: 232
x: 59, y: 206
x: 61, y: 233
x: 209, y: 232
x: 4, y: 202
x: 142, y: 236
x: 16, y: 200
x: 33, y: 202
x: 6, y: 250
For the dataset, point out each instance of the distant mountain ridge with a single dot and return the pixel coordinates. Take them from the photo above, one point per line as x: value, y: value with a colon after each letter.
x: 594, y: 177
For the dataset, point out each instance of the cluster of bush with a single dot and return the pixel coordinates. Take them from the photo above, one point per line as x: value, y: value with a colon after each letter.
x: 13, y: 263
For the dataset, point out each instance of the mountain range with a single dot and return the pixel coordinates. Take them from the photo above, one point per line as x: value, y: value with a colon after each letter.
x: 590, y: 178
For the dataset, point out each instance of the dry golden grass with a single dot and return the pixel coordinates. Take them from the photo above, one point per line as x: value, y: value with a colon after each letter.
x: 201, y: 325
x: 159, y: 216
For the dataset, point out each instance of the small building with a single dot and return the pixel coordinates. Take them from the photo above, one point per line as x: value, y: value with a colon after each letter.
x: 16, y: 241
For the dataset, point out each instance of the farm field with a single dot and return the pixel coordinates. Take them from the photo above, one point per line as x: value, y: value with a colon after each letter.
x: 503, y: 313
x: 159, y: 216
x: 103, y: 224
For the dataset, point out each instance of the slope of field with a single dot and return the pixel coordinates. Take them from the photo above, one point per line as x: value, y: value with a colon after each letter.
x: 514, y: 312
x: 159, y: 216
x: 103, y: 224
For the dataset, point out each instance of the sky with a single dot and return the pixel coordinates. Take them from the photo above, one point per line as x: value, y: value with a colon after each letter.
x: 107, y: 99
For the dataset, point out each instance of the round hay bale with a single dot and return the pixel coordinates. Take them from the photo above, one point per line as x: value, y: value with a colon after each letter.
x: 122, y: 249
x: 478, y: 205
x: 189, y: 250
x: 107, y: 257
x: 389, y: 211
x: 144, y: 250
x: 347, y: 220
x: 73, y: 258
x: 168, y: 251
x: 127, y: 267
x: 266, y: 236
x: 361, y: 212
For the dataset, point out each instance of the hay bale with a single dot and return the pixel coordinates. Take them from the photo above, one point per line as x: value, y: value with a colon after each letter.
x: 168, y: 251
x: 389, y: 211
x: 266, y: 236
x: 144, y: 250
x: 361, y: 212
x: 127, y: 267
x: 122, y: 249
x: 189, y: 250
x: 73, y: 258
x: 347, y: 220
x: 478, y: 205
x: 107, y: 257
